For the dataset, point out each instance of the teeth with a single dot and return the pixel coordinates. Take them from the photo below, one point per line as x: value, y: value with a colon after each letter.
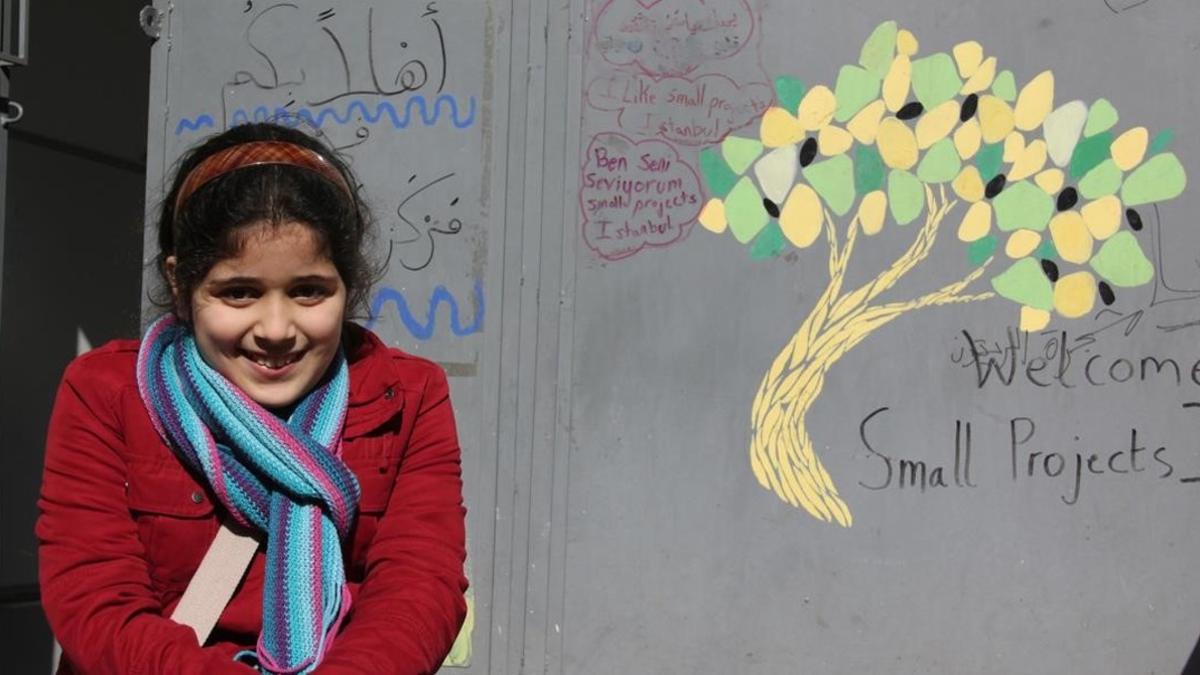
x: 276, y: 363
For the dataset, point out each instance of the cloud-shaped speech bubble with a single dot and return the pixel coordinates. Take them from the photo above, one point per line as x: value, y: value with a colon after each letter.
x: 635, y: 194
x: 671, y: 37
x: 689, y: 111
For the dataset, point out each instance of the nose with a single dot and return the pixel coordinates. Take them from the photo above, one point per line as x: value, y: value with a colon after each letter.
x: 275, y: 329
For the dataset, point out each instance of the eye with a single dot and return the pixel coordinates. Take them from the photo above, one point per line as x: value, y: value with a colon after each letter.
x: 238, y: 294
x: 310, y: 292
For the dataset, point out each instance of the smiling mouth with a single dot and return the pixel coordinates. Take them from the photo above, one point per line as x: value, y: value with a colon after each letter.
x: 274, y: 362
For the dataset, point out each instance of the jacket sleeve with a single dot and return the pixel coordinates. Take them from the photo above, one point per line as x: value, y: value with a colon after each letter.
x: 95, y: 582
x: 410, y: 605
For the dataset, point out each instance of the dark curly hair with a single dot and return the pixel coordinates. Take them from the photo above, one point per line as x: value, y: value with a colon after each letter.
x: 210, y: 224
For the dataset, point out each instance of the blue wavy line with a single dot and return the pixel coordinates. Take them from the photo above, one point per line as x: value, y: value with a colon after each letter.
x: 384, y: 108
x: 201, y: 122
x: 424, y: 331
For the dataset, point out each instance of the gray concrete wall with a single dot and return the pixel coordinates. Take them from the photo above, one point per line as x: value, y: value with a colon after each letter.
x: 605, y: 399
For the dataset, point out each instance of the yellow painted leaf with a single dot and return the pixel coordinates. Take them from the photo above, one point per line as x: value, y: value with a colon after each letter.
x: 936, y: 124
x: 1031, y: 161
x: 800, y: 218
x: 780, y: 128
x: 995, y: 119
x: 1102, y: 217
x: 817, y: 108
x: 1071, y: 237
x: 1014, y: 145
x: 1034, y: 102
x: 897, y: 144
x: 981, y: 79
x: 1075, y: 294
x: 976, y: 223
x: 1034, y: 319
x: 833, y: 140
x: 865, y: 124
x: 967, y: 138
x: 968, y: 56
x: 1021, y: 243
x: 906, y: 43
x: 871, y: 212
x: 1130, y: 147
x: 896, y: 82
x: 969, y: 184
x: 1050, y: 180
x: 712, y: 216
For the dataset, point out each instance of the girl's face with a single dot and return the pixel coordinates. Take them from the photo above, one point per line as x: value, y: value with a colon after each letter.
x: 270, y: 318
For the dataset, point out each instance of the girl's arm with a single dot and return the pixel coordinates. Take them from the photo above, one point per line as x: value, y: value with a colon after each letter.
x: 410, y: 606
x: 95, y: 582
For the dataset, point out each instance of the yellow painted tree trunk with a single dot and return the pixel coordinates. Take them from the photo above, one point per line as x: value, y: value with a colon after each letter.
x: 781, y: 449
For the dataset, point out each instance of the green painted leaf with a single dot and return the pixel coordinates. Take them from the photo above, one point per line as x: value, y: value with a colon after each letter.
x: 717, y: 176
x: 769, y: 243
x: 789, y: 91
x: 740, y: 153
x: 1089, y: 152
x: 1005, y: 86
x: 1101, y: 181
x: 981, y: 249
x: 1161, y: 141
x: 1025, y: 284
x: 940, y: 164
x: 879, y: 49
x: 906, y: 196
x: 1158, y: 179
x: 745, y: 211
x: 1101, y: 117
x: 935, y: 79
x: 1023, y: 205
x: 988, y: 160
x: 855, y: 88
x: 868, y: 169
x: 1121, y: 261
x: 833, y: 179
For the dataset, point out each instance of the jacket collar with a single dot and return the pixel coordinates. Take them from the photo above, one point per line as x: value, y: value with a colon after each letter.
x: 376, y: 394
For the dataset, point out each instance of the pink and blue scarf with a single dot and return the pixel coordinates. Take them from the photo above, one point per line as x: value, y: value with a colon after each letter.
x: 284, y: 479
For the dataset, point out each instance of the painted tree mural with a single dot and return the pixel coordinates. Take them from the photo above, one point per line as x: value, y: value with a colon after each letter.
x: 1048, y: 217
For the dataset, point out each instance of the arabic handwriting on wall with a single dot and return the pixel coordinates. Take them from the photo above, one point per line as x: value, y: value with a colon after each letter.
x: 671, y: 37
x: 339, y: 53
x: 333, y: 69
x: 412, y: 240
x: 424, y: 330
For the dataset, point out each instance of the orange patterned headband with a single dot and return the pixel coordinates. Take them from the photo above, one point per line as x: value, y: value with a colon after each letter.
x: 254, y: 154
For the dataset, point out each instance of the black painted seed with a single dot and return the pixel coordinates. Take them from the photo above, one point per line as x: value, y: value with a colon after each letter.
x: 808, y: 152
x: 1135, y: 219
x: 994, y: 186
x: 910, y: 110
x: 1106, y: 293
x: 1067, y: 198
x: 968, y: 108
x: 1050, y: 269
x: 771, y: 207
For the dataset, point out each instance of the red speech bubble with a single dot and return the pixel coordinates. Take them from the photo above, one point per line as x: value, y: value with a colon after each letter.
x: 671, y: 37
x: 635, y: 194
x: 696, y: 111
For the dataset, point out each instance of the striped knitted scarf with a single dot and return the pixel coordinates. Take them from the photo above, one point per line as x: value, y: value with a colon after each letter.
x: 284, y: 479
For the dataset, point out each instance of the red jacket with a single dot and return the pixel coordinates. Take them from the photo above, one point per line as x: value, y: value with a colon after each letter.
x: 123, y: 526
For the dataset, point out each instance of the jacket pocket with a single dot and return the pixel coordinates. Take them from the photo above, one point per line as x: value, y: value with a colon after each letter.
x: 175, y: 519
x: 375, y: 461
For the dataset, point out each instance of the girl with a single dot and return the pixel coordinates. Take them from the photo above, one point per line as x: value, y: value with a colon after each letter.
x: 254, y: 403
